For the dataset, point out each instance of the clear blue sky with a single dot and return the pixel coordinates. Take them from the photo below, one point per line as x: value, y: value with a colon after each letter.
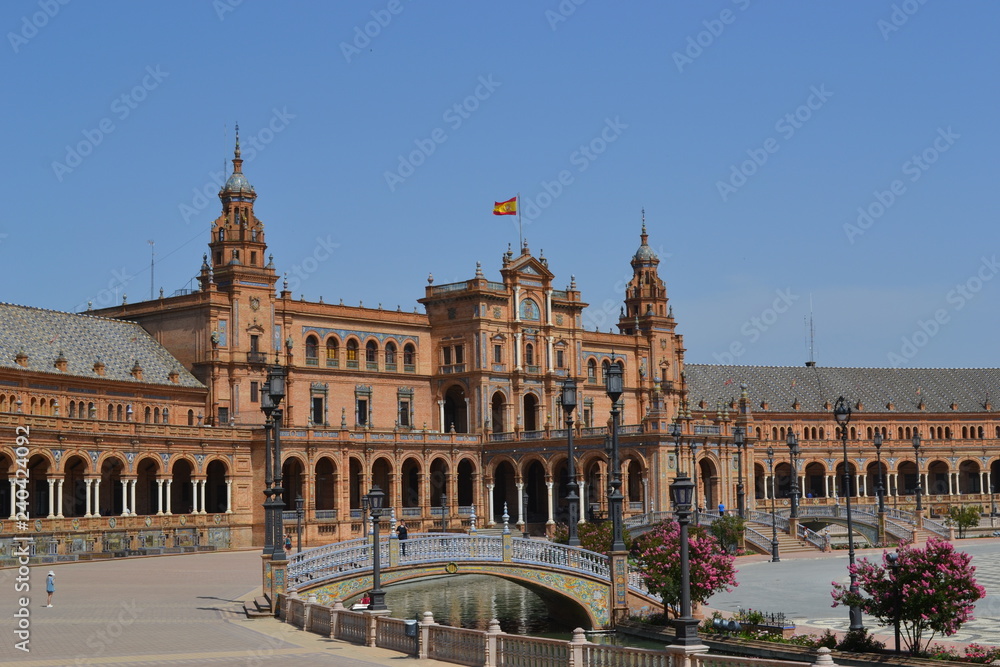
x: 751, y: 132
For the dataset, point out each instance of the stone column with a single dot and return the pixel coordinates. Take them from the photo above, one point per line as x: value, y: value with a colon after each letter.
x: 551, y: 520
x: 520, y: 504
x: 204, y: 483
x: 229, y: 496
x: 583, y: 501
x: 489, y: 506
x: 97, y: 498
x: 517, y: 351
x: 87, y: 498
x: 124, y: 483
x: 444, y: 427
x: 548, y: 312
x: 52, y: 498
x: 132, y: 494
x: 59, y: 500
x: 159, y: 497
x: 13, y: 500
x: 166, y: 496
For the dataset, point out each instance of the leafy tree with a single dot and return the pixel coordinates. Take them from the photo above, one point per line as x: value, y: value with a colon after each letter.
x: 595, y: 536
x: 936, y: 591
x: 658, y: 555
x: 962, y: 517
x: 728, y: 530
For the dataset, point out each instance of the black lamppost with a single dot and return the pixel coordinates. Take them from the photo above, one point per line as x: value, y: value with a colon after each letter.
x: 298, y: 523
x: 774, y: 517
x: 444, y: 512
x: 614, y: 386
x: 675, y: 431
x: 681, y: 491
x: 842, y: 413
x: 267, y: 407
x: 916, y: 453
x: 276, y: 391
x: 376, y: 500
x: 572, y: 499
x: 793, y: 450
x: 893, y: 559
x: 880, y: 489
x: 741, y: 500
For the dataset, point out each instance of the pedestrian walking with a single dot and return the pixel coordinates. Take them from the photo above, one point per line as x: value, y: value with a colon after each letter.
x: 50, y: 587
x: 402, y: 533
x: 722, y: 509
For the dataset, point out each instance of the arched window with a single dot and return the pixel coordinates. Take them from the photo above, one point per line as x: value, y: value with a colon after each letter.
x: 529, y: 310
x: 156, y: 415
x: 529, y: 354
x: 190, y: 417
x: 409, y: 358
x: 111, y: 413
x: 390, y: 356
x: 312, y: 350
x: 352, y: 353
x: 371, y: 355
x: 120, y: 412
x: 965, y: 432
x: 604, y: 369
x: 72, y: 409
x: 148, y: 415
x: 900, y: 430
x: 332, y: 352
x: 91, y: 411
x: 822, y: 433
x: 592, y: 371
x: 774, y: 433
x: 979, y: 432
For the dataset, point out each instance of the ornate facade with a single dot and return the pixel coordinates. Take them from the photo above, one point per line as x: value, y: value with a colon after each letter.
x: 454, y: 411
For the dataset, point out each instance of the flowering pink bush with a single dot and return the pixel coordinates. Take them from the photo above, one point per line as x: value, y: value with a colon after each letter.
x: 936, y: 590
x: 659, y: 558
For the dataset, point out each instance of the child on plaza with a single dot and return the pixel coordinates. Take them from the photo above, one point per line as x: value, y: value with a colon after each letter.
x: 50, y: 587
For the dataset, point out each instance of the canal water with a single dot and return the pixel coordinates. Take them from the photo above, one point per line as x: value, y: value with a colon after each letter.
x: 471, y: 600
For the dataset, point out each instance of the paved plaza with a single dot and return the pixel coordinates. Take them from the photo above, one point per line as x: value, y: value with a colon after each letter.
x: 168, y: 610
x: 187, y: 610
x: 800, y: 586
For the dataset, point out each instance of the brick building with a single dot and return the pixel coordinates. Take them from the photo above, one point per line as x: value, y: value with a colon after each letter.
x: 457, y: 409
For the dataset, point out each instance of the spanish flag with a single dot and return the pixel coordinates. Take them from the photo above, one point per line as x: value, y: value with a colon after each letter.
x: 508, y: 207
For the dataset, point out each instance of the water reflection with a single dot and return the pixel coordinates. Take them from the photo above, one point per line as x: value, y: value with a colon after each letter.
x: 471, y: 600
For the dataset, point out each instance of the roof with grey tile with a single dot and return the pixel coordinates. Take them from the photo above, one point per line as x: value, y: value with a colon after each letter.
x: 83, y: 339
x: 970, y: 389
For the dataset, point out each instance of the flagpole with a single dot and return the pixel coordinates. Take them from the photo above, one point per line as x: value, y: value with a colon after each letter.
x: 520, y: 236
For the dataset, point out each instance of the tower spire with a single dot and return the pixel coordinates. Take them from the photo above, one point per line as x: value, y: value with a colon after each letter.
x: 237, y: 160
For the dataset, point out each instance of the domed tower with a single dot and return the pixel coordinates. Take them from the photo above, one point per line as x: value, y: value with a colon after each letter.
x: 237, y: 245
x: 648, y: 316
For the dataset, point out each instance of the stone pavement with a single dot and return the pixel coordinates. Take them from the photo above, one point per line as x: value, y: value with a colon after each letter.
x: 800, y: 585
x: 165, y: 610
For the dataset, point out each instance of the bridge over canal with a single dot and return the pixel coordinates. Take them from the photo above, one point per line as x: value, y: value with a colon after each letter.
x: 556, y: 571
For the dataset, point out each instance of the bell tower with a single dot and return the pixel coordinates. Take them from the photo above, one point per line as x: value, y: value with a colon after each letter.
x: 237, y: 246
x: 646, y: 294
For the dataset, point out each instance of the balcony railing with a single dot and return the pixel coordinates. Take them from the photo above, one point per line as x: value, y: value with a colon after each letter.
x: 256, y: 357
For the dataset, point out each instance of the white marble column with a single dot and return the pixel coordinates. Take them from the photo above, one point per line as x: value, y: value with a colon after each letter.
x: 59, y: 499
x: 125, y: 507
x: 517, y: 303
x: 97, y: 497
x: 167, y: 497
x: 489, y: 506
x: 87, y: 499
x: 194, y: 496
x: 13, y: 500
x: 550, y: 520
x: 159, y: 497
x: 133, y: 482
x: 444, y: 427
x: 517, y: 351
x: 229, y: 496
x: 52, y: 498
x: 548, y: 307
x: 520, y: 503
x: 857, y: 485
x: 204, y: 483
x: 582, y: 486
x: 952, y: 485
